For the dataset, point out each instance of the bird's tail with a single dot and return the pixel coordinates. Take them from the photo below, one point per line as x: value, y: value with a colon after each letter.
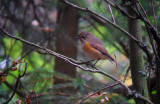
x: 117, y: 63
x: 112, y: 60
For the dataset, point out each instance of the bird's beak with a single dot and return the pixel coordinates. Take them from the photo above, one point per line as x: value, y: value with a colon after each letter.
x: 77, y: 37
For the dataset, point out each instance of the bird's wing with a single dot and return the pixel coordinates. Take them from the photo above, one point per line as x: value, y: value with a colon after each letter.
x: 103, y: 50
x: 94, y: 39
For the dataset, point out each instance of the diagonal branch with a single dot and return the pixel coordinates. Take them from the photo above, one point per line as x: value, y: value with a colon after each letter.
x: 16, y: 85
x: 105, y: 19
x: 127, y: 71
x: 140, y: 44
x: 112, y: 16
x: 120, y: 9
x: 112, y: 85
x: 74, y: 63
x: 152, y: 3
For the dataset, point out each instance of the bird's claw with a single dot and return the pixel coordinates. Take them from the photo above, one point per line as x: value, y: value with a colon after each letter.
x: 89, y: 64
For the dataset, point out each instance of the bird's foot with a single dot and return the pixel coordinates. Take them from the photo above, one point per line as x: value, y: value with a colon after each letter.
x: 89, y: 64
x: 93, y: 65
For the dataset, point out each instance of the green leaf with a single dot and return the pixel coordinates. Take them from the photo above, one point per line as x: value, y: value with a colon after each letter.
x: 78, y: 83
x: 154, y: 92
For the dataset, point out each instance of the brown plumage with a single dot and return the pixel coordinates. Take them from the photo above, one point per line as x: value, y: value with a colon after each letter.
x: 93, y: 48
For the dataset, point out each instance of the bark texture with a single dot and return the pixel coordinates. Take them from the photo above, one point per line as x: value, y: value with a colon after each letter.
x: 136, y: 59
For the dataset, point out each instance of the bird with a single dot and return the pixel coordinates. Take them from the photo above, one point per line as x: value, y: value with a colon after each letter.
x: 93, y: 48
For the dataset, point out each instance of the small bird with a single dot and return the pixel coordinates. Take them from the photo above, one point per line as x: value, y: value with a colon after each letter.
x: 93, y: 48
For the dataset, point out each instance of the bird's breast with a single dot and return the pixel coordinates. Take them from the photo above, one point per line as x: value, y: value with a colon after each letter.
x: 91, y: 52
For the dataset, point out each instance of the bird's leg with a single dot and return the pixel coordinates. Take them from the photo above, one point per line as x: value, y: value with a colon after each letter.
x: 88, y: 62
x: 95, y: 63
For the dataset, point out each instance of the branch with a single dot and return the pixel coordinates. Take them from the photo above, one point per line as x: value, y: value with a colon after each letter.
x: 36, y: 46
x: 154, y: 13
x: 150, y: 31
x: 105, y: 19
x: 12, y: 88
x: 16, y: 85
x: 71, y: 61
x: 112, y: 85
x: 140, y: 44
x: 143, y: 10
x: 150, y: 28
x: 123, y: 12
x: 67, y: 59
x: 95, y: 27
x: 127, y: 71
x: 112, y: 16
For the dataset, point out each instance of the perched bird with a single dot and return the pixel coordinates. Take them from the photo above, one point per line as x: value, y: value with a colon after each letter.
x: 93, y: 48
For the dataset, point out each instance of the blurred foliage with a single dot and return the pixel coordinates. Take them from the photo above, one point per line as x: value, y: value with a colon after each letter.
x: 20, y: 20
x: 154, y: 92
x: 78, y: 83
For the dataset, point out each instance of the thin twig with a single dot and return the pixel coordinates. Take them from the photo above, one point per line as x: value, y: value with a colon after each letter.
x: 155, y: 35
x: 116, y: 67
x: 149, y: 33
x: 35, y: 45
x: 112, y: 16
x: 143, y: 10
x: 75, y: 63
x: 140, y: 44
x: 87, y: 86
x: 123, y: 12
x: 112, y: 85
x: 127, y: 71
x: 67, y: 59
x: 105, y: 19
x: 149, y: 80
x: 152, y: 3
x: 90, y: 70
x: 96, y: 28
x: 16, y: 85
x: 148, y: 29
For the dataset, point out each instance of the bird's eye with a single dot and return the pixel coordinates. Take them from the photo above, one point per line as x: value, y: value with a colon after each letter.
x: 83, y: 36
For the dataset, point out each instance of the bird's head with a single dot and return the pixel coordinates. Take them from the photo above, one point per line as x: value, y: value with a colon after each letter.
x: 83, y: 36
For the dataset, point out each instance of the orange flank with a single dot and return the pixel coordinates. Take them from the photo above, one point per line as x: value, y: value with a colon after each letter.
x: 92, y: 52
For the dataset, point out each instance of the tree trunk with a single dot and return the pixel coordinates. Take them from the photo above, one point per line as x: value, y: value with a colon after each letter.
x: 66, y: 31
x: 158, y: 78
x: 136, y: 58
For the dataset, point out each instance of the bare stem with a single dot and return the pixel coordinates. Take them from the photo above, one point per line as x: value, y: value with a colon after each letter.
x: 127, y: 71
x: 152, y: 3
x: 140, y: 44
x: 112, y: 85
x: 16, y: 85
x: 73, y: 62
x: 112, y: 16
